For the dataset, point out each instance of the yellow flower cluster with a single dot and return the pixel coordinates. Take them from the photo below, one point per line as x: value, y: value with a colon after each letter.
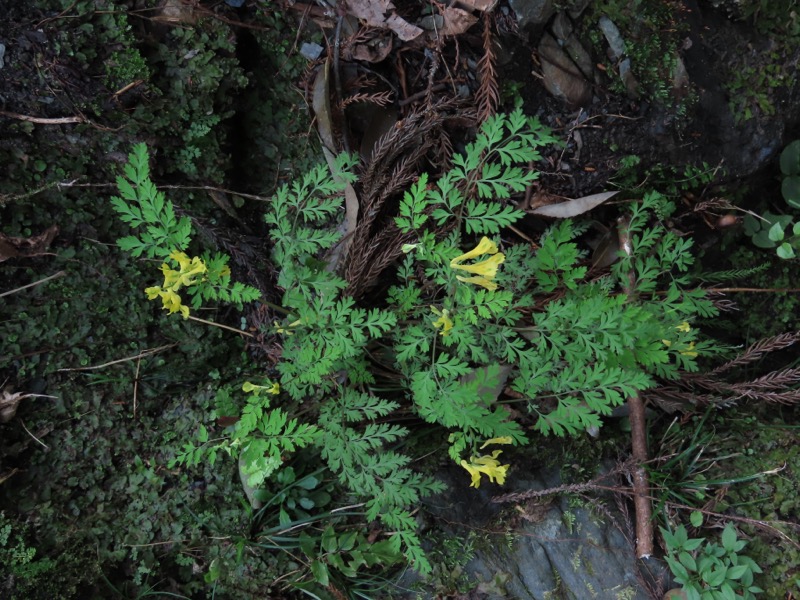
x: 685, y: 328
x: 274, y: 389
x: 174, y: 280
x: 284, y: 330
x: 483, y: 271
x: 444, y: 321
x: 488, y: 465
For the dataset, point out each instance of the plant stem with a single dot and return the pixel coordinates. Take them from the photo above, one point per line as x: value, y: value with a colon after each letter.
x: 638, y: 420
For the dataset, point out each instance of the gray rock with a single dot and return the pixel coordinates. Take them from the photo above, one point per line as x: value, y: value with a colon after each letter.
x: 311, y: 50
x: 551, y: 551
x: 532, y: 12
x: 576, y: 7
x: 613, y: 37
x: 2, y: 55
x: 562, y: 76
x: 628, y: 79
x: 616, y: 50
x: 564, y: 32
x: 562, y: 28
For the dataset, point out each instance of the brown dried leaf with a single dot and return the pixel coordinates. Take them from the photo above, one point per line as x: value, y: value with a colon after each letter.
x: 13, y: 247
x: 456, y: 21
x: 7, y: 250
x: 321, y: 103
x: 8, y: 405
x: 374, y: 13
x: 481, y: 5
x: 573, y: 208
x: 375, y: 50
x: 488, y: 94
x: 404, y: 30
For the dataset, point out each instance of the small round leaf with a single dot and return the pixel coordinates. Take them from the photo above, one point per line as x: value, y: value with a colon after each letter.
x: 790, y: 159
x: 785, y: 251
x: 790, y: 188
x: 776, y: 232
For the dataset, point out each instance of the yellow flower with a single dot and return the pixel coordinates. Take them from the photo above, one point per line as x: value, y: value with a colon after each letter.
x: 172, y: 278
x: 284, y: 331
x: 175, y: 280
x: 485, y: 246
x: 443, y: 321
x: 485, y: 270
x: 274, y: 388
x: 506, y: 439
x: 689, y: 349
x: 189, y: 267
x: 169, y: 299
x: 684, y: 327
x: 488, y: 465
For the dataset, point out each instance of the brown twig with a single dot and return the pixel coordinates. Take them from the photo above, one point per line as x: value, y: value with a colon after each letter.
x: 638, y: 422
x: 593, y: 485
x: 37, y: 440
x: 121, y: 360
x: 44, y: 120
x: 75, y: 184
x: 136, y: 385
x: 35, y: 283
x: 221, y: 326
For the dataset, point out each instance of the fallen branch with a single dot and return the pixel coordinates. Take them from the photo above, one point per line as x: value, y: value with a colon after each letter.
x: 121, y: 360
x: 44, y: 120
x: 34, y: 284
x: 638, y: 421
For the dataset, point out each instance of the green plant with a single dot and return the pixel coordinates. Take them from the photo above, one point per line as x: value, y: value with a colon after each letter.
x: 790, y: 167
x: 762, y: 441
x: 683, y: 476
x: 711, y: 571
x: 259, y: 438
x: 751, y: 88
x: 769, y: 231
x: 464, y: 327
x: 162, y: 234
x: 651, y: 33
x: 17, y: 559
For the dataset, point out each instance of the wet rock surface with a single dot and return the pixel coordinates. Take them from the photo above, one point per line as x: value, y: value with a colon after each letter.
x: 545, y: 548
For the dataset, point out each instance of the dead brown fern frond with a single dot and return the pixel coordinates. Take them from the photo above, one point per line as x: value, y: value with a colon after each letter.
x: 380, y: 98
x: 715, y: 388
x: 758, y: 350
x: 487, y: 96
x: 396, y: 162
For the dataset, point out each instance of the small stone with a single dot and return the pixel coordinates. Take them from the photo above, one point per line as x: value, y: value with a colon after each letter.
x: 562, y: 27
x: 628, y: 79
x: 311, y: 51
x: 432, y: 22
x: 2, y: 55
x: 613, y: 37
x: 532, y: 12
x: 562, y: 77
